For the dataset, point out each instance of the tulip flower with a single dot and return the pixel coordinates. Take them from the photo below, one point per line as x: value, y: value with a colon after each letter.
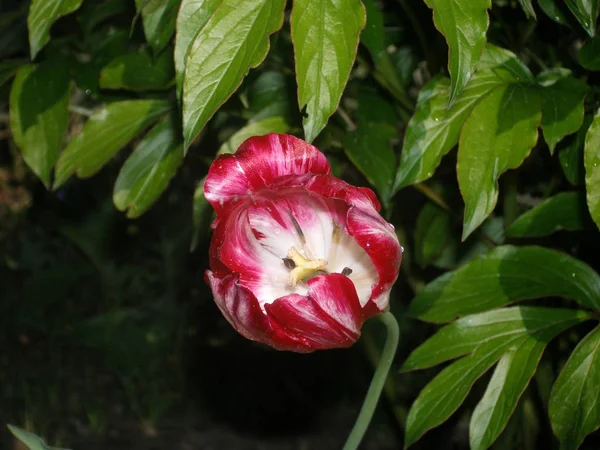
x: 299, y: 258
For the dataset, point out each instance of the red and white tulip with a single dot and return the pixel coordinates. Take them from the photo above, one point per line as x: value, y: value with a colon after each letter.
x: 299, y: 259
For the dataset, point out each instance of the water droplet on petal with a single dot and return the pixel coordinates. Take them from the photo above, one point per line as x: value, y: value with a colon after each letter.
x: 402, y: 249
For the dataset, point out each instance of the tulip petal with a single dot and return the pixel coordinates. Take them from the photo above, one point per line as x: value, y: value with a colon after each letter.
x: 379, y: 240
x: 336, y: 295
x: 261, y: 271
x: 316, y: 320
x: 240, y: 307
x: 259, y: 161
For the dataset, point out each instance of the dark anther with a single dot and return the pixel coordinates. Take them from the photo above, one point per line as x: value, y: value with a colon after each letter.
x: 347, y: 271
x: 289, y: 263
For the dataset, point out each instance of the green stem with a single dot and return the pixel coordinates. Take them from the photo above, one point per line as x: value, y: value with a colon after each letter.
x: 374, y: 392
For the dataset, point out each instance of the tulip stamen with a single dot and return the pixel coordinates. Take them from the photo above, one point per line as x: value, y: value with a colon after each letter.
x: 303, y: 267
x: 298, y: 229
x: 347, y: 271
x: 289, y: 263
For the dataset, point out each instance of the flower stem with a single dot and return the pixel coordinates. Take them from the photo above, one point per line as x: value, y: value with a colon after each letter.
x: 374, y: 392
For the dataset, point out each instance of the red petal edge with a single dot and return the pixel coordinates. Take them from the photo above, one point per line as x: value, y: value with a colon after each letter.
x: 257, y: 162
x: 241, y: 309
x: 330, y: 317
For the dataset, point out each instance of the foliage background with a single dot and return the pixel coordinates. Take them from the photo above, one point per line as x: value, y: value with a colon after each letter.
x: 475, y: 121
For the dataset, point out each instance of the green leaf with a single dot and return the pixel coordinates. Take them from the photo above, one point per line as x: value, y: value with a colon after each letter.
x: 446, y: 392
x: 138, y: 71
x: 573, y: 407
x: 589, y: 54
x: 369, y: 149
x: 528, y: 8
x: 235, y: 40
x: 504, y: 275
x: 193, y: 15
x: 275, y: 124
x: 464, y: 24
x: 147, y: 172
x: 433, y: 232
x: 586, y: 13
x: 373, y: 37
x: 39, y: 99
x: 571, y: 155
x: 94, y: 13
x: 158, y: 18
x: 31, y: 441
x: 497, y: 136
x: 8, y: 69
x: 104, y: 134
x: 325, y: 37
x: 562, y: 105
x: 592, y: 168
x: 512, y: 375
x: 484, y: 338
x: 564, y: 211
x: 269, y: 95
x: 42, y: 14
x: 500, y: 328
x: 435, y: 128
x: 554, y: 12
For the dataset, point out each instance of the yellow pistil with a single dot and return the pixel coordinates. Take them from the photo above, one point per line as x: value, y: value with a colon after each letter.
x: 304, y: 267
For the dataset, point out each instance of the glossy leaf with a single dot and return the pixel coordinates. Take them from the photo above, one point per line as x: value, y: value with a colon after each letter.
x: 39, y: 99
x: 586, y: 13
x: 499, y: 328
x: 464, y: 24
x: 369, y: 149
x: 446, y: 392
x: 562, y: 105
x: 553, y: 11
x: 193, y: 15
x: 484, y: 338
x: 504, y: 275
x: 575, y: 397
x: 42, y: 14
x: 511, y: 376
x: 497, y: 136
x: 528, y: 8
x: 435, y: 128
x: 138, y: 71
x: 232, y: 42
x: 571, y: 155
x: 589, y: 54
x: 592, y: 168
x: 325, y: 37
x: 104, y: 134
x: 260, y: 127
x: 148, y: 170
x: 30, y: 440
x: 564, y: 211
x: 433, y: 233
x: 158, y: 18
